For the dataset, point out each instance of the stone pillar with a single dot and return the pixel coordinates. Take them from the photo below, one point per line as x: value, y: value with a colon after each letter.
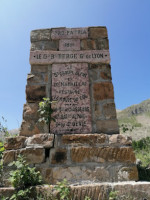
x: 72, y: 67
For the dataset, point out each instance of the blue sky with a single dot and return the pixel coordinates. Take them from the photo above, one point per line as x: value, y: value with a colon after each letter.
x: 128, y: 24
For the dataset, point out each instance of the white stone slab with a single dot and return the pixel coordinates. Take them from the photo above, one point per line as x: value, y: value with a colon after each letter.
x: 69, y: 44
x: 70, y: 90
x: 50, y: 57
x: 64, y: 33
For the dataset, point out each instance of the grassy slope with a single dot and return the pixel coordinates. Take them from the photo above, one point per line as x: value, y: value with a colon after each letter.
x: 136, y: 119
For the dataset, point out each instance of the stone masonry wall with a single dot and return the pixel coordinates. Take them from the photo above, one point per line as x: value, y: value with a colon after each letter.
x: 87, y: 42
x: 80, y: 158
x: 72, y: 66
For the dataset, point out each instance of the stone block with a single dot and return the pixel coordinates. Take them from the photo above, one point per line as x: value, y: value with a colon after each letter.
x: 103, y: 91
x: 40, y: 35
x: 46, y: 174
x: 109, y: 111
x: 15, y: 142
x: 91, y: 44
x: 100, y: 66
x: 45, y: 45
x: 44, y: 140
x: 102, y: 154
x: 77, y: 174
x: 106, y: 75
x: 88, y: 44
x: 30, y: 111
x: 98, y: 112
x: 120, y: 139
x: 69, y: 33
x: 8, y: 157
x: 6, y: 192
x: 128, y: 174
x: 35, y: 93
x: 37, y: 79
x: 39, y: 68
x: 102, y: 43
x: 32, y: 127
x: 97, y: 32
x: 94, y: 75
x: 85, y: 139
x: 107, y: 126
x: 69, y: 44
x: 46, y: 57
x: 58, y: 156
x: 33, y: 155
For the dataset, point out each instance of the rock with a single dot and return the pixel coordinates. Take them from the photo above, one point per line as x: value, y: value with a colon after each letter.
x: 88, y: 139
x: 44, y: 140
x: 120, y: 139
x: 9, y: 156
x: 98, y: 32
x: 107, y: 126
x: 40, y: 35
x: 102, y: 154
x: 35, y: 93
x: 17, y: 142
x: 33, y: 155
x: 58, y: 156
x: 103, y: 91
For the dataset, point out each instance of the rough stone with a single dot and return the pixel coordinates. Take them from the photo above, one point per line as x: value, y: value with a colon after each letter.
x: 107, y: 126
x: 94, y: 44
x: 32, y: 127
x: 103, y: 91
x: 120, y: 139
x: 128, y: 173
x: 98, y: 112
x: 41, y: 34
x: 15, y: 142
x: 37, y: 79
x: 88, y: 139
x: 39, y: 68
x: 44, y: 140
x: 45, y: 45
x: 35, y: 93
x: 8, y: 157
x: 78, y: 174
x: 30, y: 111
x: 102, y: 154
x: 97, y: 32
x: 58, y: 156
x: 106, y: 75
x: 6, y: 192
x: 109, y: 111
x: 33, y: 155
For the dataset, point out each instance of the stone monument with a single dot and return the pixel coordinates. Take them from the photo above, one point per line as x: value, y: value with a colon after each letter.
x: 72, y: 67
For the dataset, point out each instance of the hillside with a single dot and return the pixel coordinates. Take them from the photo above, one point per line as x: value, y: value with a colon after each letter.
x: 135, y: 120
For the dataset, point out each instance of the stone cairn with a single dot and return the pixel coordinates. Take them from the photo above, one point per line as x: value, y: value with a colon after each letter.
x: 72, y: 67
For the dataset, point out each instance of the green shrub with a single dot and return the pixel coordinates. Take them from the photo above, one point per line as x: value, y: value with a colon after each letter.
x: 63, y: 190
x: 24, y: 176
x: 45, y: 110
x: 23, y: 179
x: 2, y: 149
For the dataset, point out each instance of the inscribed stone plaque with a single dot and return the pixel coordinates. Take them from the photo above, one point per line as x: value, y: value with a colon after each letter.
x: 88, y: 56
x: 66, y: 33
x: 70, y: 88
x: 69, y: 44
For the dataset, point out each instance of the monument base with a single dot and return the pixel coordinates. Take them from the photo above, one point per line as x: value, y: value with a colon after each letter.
x: 97, y: 191
x: 80, y: 158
